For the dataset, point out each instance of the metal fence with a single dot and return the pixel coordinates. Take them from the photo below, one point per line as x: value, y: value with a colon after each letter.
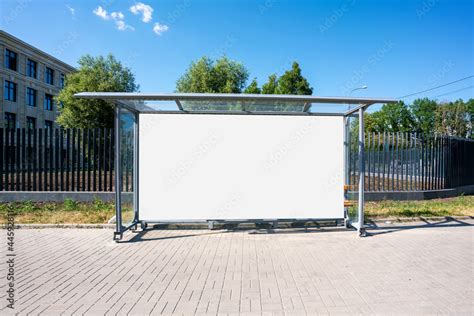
x: 83, y: 160
x: 56, y: 160
x: 413, y: 162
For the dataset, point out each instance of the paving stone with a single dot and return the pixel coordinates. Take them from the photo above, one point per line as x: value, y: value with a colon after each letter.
x: 288, y: 272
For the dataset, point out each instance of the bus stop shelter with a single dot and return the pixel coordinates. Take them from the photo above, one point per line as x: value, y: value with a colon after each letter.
x: 199, y: 157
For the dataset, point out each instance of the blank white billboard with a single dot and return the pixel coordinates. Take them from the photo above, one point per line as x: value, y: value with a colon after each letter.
x: 204, y: 167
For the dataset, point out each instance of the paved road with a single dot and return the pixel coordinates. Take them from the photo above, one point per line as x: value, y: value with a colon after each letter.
x: 420, y: 269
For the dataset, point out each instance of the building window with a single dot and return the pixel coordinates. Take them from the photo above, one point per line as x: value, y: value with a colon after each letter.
x: 31, y: 67
x: 48, y: 124
x: 10, y: 120
x: 63, y: 81
x: 49, y: 75
x: 10, y: 91
x: 30, y: 122
x: 10, y: 59
x: 31, y: 97
x: 48, y: 102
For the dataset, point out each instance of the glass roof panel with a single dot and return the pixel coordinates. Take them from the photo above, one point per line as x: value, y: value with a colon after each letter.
x: 330, y: 108
x: 236, y: 106
x: 245, y: 106
x: 234, y: 103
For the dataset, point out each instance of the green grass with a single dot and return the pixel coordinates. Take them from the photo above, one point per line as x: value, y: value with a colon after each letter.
x: 458, y: 206
x: 68, y: 212
x: 98, y: 212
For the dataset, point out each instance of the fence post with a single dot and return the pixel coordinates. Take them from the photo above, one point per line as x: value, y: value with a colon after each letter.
x: 40, y: 160
x: 94, y: 159
x: 99, y: 159
x: 73, y: 160
x: 1, y: 159
x: 378, y: 161
x: 111, y: 160
x: 367, y: 152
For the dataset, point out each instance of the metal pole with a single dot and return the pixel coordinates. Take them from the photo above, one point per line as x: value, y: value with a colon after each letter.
x: 360, y: 225
x: 347, y: 150
x: 118, y: 176
x: 135, y: 166
x: 346, y: 162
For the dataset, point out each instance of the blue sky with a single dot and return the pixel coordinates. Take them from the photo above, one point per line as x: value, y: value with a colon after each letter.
x: 393, y: 47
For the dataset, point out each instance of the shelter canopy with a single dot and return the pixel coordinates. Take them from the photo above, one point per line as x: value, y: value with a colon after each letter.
x: 235, y: 103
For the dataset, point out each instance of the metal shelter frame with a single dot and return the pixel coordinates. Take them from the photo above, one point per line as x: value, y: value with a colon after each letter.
x: 138, y: 103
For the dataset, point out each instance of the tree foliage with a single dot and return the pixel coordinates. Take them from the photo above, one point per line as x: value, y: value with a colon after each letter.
x: 101, y: 74
x: 270, y: 87
x: 423, y: 111
x: 470, y: 111
x: 293, y: 82
x: 208, y: 76
x: 253, y: 87
x: 228, y: 76
x: 424, y: 116
x: 394, y: 117
x: 453, y: 119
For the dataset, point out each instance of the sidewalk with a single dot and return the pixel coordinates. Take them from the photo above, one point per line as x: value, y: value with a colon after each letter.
x: 405, y: 268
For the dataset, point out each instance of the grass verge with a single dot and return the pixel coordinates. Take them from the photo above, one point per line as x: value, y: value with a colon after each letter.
x: 68, y: 212
x: 98, y: 212
x: 457, y: 206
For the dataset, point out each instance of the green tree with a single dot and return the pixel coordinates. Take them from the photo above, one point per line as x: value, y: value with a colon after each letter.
x: 197, y: 77
x: 394, y: 117
x: 453, y: 119
x: 208, y: 76
x: 270, y: 87
x: 101, y: 74
x: 293, y: 82
x: 470, y: 111
x: 424, y: 116
x: 373, y: 122
x: 423, y: 111
x: 253, y: 87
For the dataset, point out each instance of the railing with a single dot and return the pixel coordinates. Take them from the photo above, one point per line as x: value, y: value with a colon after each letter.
x: 83, y: 160
x: 413, y: 162
x: 56, y: 160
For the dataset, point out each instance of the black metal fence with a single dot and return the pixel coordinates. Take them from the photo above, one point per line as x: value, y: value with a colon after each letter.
x: 413, y: 162
x: 83, y: 160
x: 461, y: 165
x: 56, y: 160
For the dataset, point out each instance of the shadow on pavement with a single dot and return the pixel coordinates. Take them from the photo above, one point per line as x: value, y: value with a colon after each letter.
x: 374, y: 229
x: 141, y: 236
x: 147, y: 235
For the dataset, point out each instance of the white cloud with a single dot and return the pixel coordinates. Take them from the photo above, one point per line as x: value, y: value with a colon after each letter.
x: 144, y: 9
x: 118, y: 17
x: 101, y: 12
x: 122, y: 26
x: 160, y: 28
x: 71, y: 9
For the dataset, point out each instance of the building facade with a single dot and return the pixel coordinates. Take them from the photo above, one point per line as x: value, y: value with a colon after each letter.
x: 30, y: 79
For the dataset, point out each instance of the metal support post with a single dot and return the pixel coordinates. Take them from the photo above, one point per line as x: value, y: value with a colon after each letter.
x: 118, y: 177
x: 360, y: 226
x: 136, y: 166
x: 346, y: 166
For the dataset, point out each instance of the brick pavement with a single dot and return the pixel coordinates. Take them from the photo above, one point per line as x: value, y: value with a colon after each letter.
x: 427, y: 269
